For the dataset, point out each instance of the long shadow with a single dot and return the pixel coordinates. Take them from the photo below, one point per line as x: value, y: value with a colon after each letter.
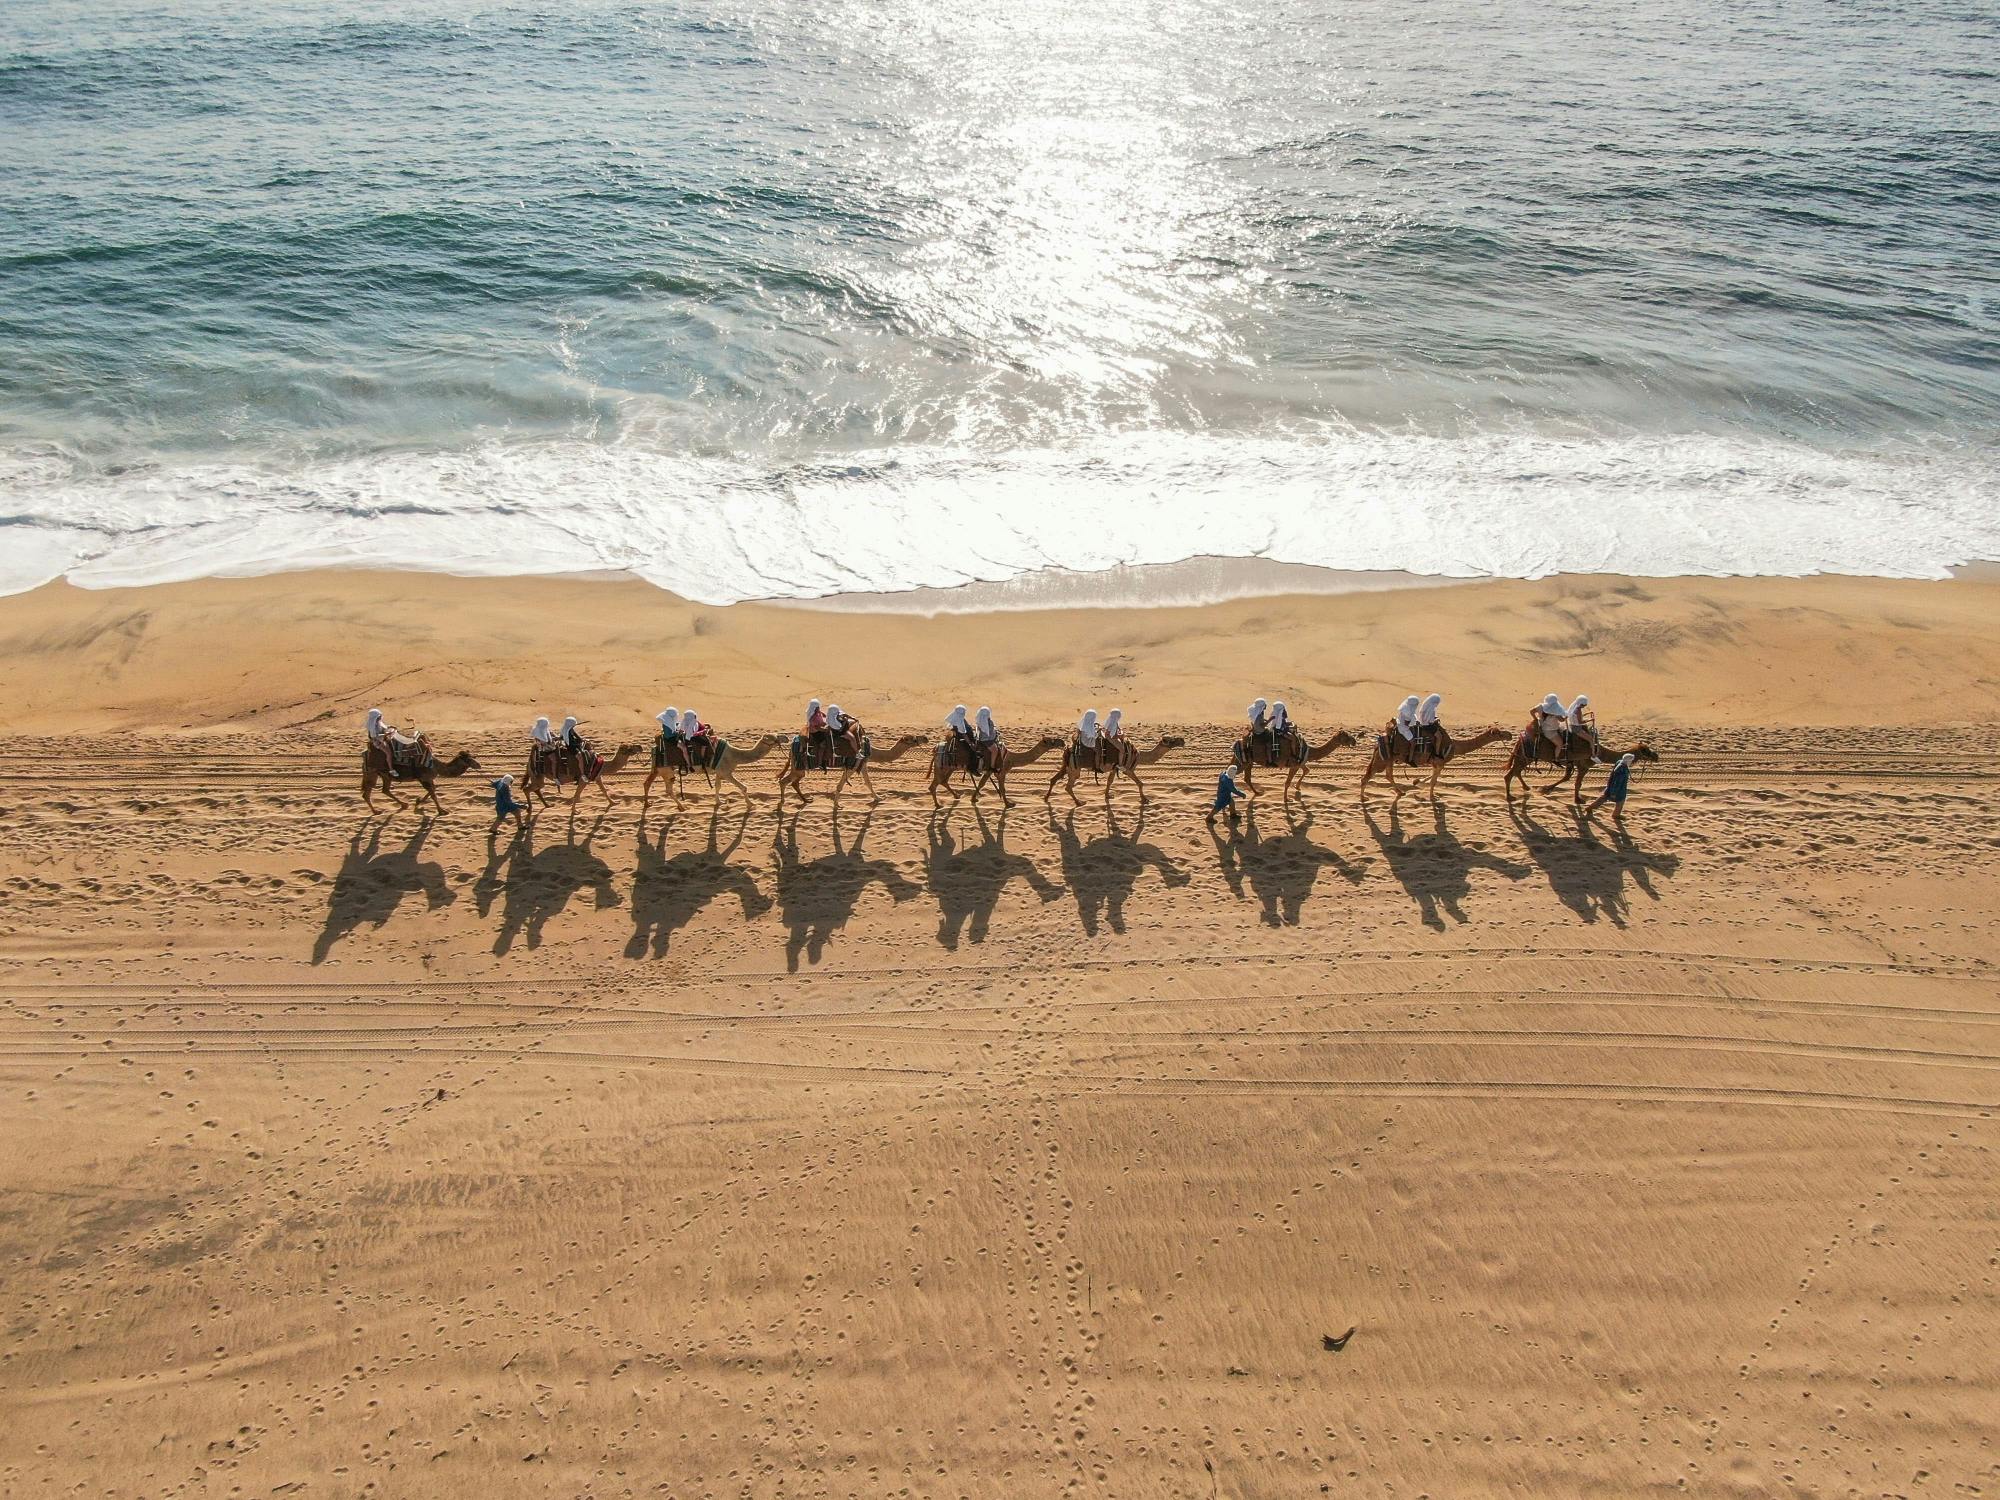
x: 968, y: 879
x: 370, y: 885
x: 1102, y: 873
x: 1434, y: 867
x: 817, y: 897
x: 1587, y: 874
x: 534, y: 885
x: 668, y: 893
x: 1281, y: 870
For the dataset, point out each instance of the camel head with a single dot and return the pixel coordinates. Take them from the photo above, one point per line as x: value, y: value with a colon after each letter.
x: 1171, y: 742
x: 1049, y: 742
x: 1343, y: 739
x: 1645, y: 752
x: 460, y: 763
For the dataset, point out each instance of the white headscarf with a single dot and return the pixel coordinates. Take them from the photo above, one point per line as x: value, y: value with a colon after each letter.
x: 956, y: 719
x: 812, y: 708
x: 985, y: 719
x: 1551, y: 705
x: 1112, y: 722
x: 541, y: 729
x: 1253, y: 710
x: 1428, y: 714
x: 834, y: 717
x: 1087, y: 726
x: 1580, y: 705
x: 670, y: 718
x: 508, y: 779
x: 569, y: 726
x: 1626, y: 760
x: 1279, y: 713
x: 1409, y: 709
x: 690, y: 722
x: 374, y: 720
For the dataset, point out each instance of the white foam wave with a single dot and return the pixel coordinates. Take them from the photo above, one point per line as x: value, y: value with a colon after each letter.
x: 716, y: 530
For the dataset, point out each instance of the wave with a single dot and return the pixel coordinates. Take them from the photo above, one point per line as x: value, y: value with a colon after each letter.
x: 718, y: 530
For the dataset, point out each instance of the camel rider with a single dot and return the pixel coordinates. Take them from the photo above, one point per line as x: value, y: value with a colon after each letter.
x: 571, y: 740
x: 1427, y: 723
x: 816, y: 733
x: 1281, y: 727
x: 1406, y: 726
x: 1259, y: 727
x: 670, y: 749
x: 988, y: 735
x: 1577, y: 720
x: 695, y: 735
x: 1111, y: 738
x: 380, y: 736
x: 1086, y: 737
x: 1549, y: 720
x: 961, y: 735
x: 544, y: 740
x: 837, y: 724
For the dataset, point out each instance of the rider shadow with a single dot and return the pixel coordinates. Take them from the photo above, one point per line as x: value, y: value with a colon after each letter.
x: 1435, y: 868
x: 1281, y: 870
x: 968, y: 879
x: 817, y: 897
x: 533, y: 886
x: 1587, y: 874
x: 1101, y: 874
x: 667, y: 894
x: 370, y: 885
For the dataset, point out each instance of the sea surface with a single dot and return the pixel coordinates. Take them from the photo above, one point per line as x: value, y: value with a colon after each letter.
x: 788, y: 297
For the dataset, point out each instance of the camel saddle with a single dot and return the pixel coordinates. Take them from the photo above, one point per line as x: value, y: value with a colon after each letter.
x: 410, y: 757
x: 810, y: 755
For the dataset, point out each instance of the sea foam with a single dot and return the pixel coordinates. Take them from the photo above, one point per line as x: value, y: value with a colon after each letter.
x: 718, y: 530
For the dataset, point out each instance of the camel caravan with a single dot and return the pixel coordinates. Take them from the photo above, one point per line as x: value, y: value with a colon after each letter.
x: 974, y: 753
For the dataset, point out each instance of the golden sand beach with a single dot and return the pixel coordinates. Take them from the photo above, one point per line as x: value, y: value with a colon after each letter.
x: 1384, y: 1148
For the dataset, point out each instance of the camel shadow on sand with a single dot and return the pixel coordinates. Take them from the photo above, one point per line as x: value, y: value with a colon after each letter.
x: 817, y: 897
x: 1279, y: 869
x: 532, y: 885
x: 1434, y: 867
x: 370, y: 885
x: 967, y: 878
x: 1102, y: 873
x: 668, y: 893
x: 1589, y: 873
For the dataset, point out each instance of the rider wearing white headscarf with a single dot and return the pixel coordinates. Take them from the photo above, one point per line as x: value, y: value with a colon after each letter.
x: 955, y: 722
x: 1281, y: 719
x: 1086, y: 729
x: 1427, y: 711
x: 1550, y: 719
x: 1258, y: 721
x: 989, y: 732
x: 379, y: 733
x: 1112, y: 721
x: 690, y: 723
x: 541, y: 731
x: 1574, y: 717
x: 1406, y: 718
x: 670, y: 723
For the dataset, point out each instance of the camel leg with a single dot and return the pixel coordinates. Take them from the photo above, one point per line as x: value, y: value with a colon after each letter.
x: 725, y: 775
x: 431, y: 791
x: 1137, y: 786
x: 869, y: 782
x: 1436, y: 766
x: 646, y: 791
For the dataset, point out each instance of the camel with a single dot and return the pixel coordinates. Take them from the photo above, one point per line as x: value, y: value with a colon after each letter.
x: 1126, y: 760
x: 1579, y: 753
x: 853, y: 751
x: 376, y: 769
x: 1295, y: 758
x: 951, y: 757
x: 572, y: 765
x: 719, y: 770
x: 1382, y: 761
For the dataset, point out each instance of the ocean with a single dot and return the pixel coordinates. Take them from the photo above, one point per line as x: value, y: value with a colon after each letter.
x: 787, y: 298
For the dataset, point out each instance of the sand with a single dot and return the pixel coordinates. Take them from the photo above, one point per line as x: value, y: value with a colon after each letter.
x: 862, y: 1152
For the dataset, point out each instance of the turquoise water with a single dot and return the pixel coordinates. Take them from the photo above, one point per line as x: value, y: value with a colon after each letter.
x: 784, y: 298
